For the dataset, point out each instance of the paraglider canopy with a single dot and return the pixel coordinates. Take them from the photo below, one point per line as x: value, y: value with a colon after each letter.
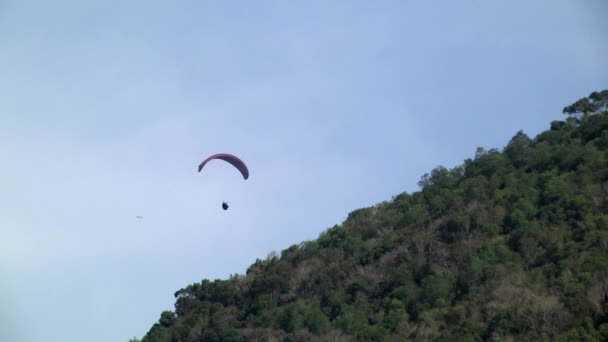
x: 232, y: 159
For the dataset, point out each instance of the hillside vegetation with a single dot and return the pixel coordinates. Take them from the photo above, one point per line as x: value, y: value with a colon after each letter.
x: 510, y: 245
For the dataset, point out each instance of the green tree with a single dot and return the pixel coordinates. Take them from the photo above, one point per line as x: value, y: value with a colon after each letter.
x: 167, y: 318
x: 518, y: 149
x: 395, y: 313
x: 438, y: 289
x: 594, y: 103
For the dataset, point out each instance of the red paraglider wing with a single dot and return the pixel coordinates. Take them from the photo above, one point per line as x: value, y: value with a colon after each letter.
x: 234, y: 160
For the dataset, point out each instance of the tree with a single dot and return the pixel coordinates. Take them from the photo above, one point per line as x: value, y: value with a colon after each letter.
x: 167, y: 318
x: 518, y: 149
x: 596, y: 102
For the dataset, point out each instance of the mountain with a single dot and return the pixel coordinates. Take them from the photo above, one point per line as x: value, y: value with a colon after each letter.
x: 510, y: 245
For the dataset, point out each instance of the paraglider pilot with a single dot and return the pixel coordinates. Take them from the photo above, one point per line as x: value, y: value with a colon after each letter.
x: 224, y: 205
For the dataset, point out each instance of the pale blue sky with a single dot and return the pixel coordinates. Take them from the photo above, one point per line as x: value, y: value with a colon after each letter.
x: 107, y: 107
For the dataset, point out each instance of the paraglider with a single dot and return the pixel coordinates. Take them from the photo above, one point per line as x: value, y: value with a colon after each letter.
x: 234, y: 161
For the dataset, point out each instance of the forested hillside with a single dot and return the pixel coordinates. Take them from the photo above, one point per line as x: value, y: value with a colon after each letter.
x: 510, y: 245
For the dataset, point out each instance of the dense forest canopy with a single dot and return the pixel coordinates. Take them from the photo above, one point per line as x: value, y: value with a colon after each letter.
x: 510, y: 245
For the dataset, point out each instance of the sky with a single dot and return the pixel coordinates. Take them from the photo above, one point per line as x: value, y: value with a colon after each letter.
x: 107, y: 108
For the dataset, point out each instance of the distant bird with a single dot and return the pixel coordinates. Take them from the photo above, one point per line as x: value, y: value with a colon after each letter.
x: 224, y: 205
x: 139, y: 217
